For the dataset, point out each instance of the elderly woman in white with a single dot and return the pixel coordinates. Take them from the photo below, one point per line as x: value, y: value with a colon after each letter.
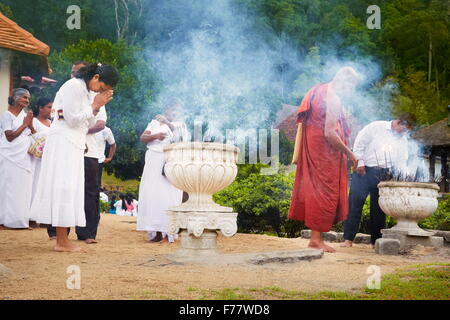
x: 16, y: 167
x: 59, y: 198
x: 156, y: 193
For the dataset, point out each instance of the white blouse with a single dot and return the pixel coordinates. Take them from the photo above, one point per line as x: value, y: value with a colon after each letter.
x: 41, y: 129
x: 73, y: 99
x: 17, y: 150
x: 180, y: 134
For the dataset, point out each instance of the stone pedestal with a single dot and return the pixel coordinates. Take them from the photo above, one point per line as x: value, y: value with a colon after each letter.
x: 198, y: 231
x: 410, y: 239
x: 387, y: 246
x: 201, y: 169
x: 192, y: 246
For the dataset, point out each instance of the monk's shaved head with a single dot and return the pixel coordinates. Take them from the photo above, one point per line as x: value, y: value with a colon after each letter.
x: 347, y: 74
x: 345, y: 80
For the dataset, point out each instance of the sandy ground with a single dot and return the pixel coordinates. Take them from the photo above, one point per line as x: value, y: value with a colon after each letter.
x: 123, y: 265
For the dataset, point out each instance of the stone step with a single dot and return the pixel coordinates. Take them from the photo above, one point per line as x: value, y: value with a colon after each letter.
x: 332, y: 236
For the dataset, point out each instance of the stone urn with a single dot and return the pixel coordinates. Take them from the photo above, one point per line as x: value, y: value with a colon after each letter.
x: 408, y: 203
x: 201, y: 169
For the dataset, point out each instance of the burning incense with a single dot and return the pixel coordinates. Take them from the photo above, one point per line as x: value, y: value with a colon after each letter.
x: 376, y: 157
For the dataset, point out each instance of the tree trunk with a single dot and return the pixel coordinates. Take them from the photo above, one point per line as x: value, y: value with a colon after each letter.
x: 430, y: 50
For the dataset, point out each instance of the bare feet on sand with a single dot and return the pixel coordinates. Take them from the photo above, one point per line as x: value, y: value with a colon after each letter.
x: 347, y: 244
x: 68, y: 247
x: 321, y: 245
x: 90, y: 241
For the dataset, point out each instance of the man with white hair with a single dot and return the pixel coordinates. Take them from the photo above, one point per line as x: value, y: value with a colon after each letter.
x: 320, y: 196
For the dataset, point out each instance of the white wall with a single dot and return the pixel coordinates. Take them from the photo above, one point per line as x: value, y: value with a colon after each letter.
x: 5, y: 69
x: 437, y: 165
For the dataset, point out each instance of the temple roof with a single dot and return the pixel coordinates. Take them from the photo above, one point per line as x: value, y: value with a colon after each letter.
x: 15, y: 38
x: 286, y: 121
x: 438, y: 134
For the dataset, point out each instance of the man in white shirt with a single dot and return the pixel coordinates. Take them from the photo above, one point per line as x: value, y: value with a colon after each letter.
x: 103, y: 137
x: 381, y: 146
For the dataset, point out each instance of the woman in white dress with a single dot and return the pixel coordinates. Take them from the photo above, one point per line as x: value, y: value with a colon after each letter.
x: 156, y: 193
x: 16, y: 167
x: 59, y: 198
x: 41, y: 123
x: 120, y: 206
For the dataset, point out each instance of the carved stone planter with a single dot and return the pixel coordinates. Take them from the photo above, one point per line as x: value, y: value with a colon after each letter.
x: 201, y: 169
x: 408, y: 203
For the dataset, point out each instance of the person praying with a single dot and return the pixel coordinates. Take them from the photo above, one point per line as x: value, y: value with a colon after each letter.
x: 59, y: 198
x: 380, y: 146
x: 16, y: 166
x: 156, y: 193
x: 319, y: 197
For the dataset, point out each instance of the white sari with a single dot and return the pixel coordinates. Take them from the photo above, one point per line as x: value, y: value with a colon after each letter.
x: 59, y: 198
x: 16, y: 173
x: 156, y: 193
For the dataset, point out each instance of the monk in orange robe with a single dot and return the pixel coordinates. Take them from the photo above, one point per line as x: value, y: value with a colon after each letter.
x: 319, y: 196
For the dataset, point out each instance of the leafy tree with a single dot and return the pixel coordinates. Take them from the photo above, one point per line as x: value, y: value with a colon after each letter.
x: 419, y: 97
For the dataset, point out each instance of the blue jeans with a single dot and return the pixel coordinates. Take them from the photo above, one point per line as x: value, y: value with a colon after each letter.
x: 360, y: 188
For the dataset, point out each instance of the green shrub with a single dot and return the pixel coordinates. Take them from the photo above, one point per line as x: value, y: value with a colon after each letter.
x: 440, y: 220
x: 104, y: 206
x: 262, y: 202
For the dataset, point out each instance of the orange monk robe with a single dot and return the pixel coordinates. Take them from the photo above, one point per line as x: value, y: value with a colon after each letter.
x: 320, y: 196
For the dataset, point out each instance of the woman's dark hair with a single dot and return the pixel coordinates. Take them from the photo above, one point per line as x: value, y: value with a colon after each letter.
x: 124, y: 206
x: 407, y: 119
x: 108, y: 74
x: 42, y: 102
x: 129, y: 198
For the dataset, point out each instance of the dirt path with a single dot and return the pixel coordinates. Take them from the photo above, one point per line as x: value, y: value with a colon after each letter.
x: 123, y: 265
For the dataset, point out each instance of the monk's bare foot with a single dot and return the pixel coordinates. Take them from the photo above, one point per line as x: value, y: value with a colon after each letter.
x: 68, y: 248
x: 90, y: 241
x: 327, y: 248
x: 321, y: 245
x: 347, y: 244
x: 52, y: 238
